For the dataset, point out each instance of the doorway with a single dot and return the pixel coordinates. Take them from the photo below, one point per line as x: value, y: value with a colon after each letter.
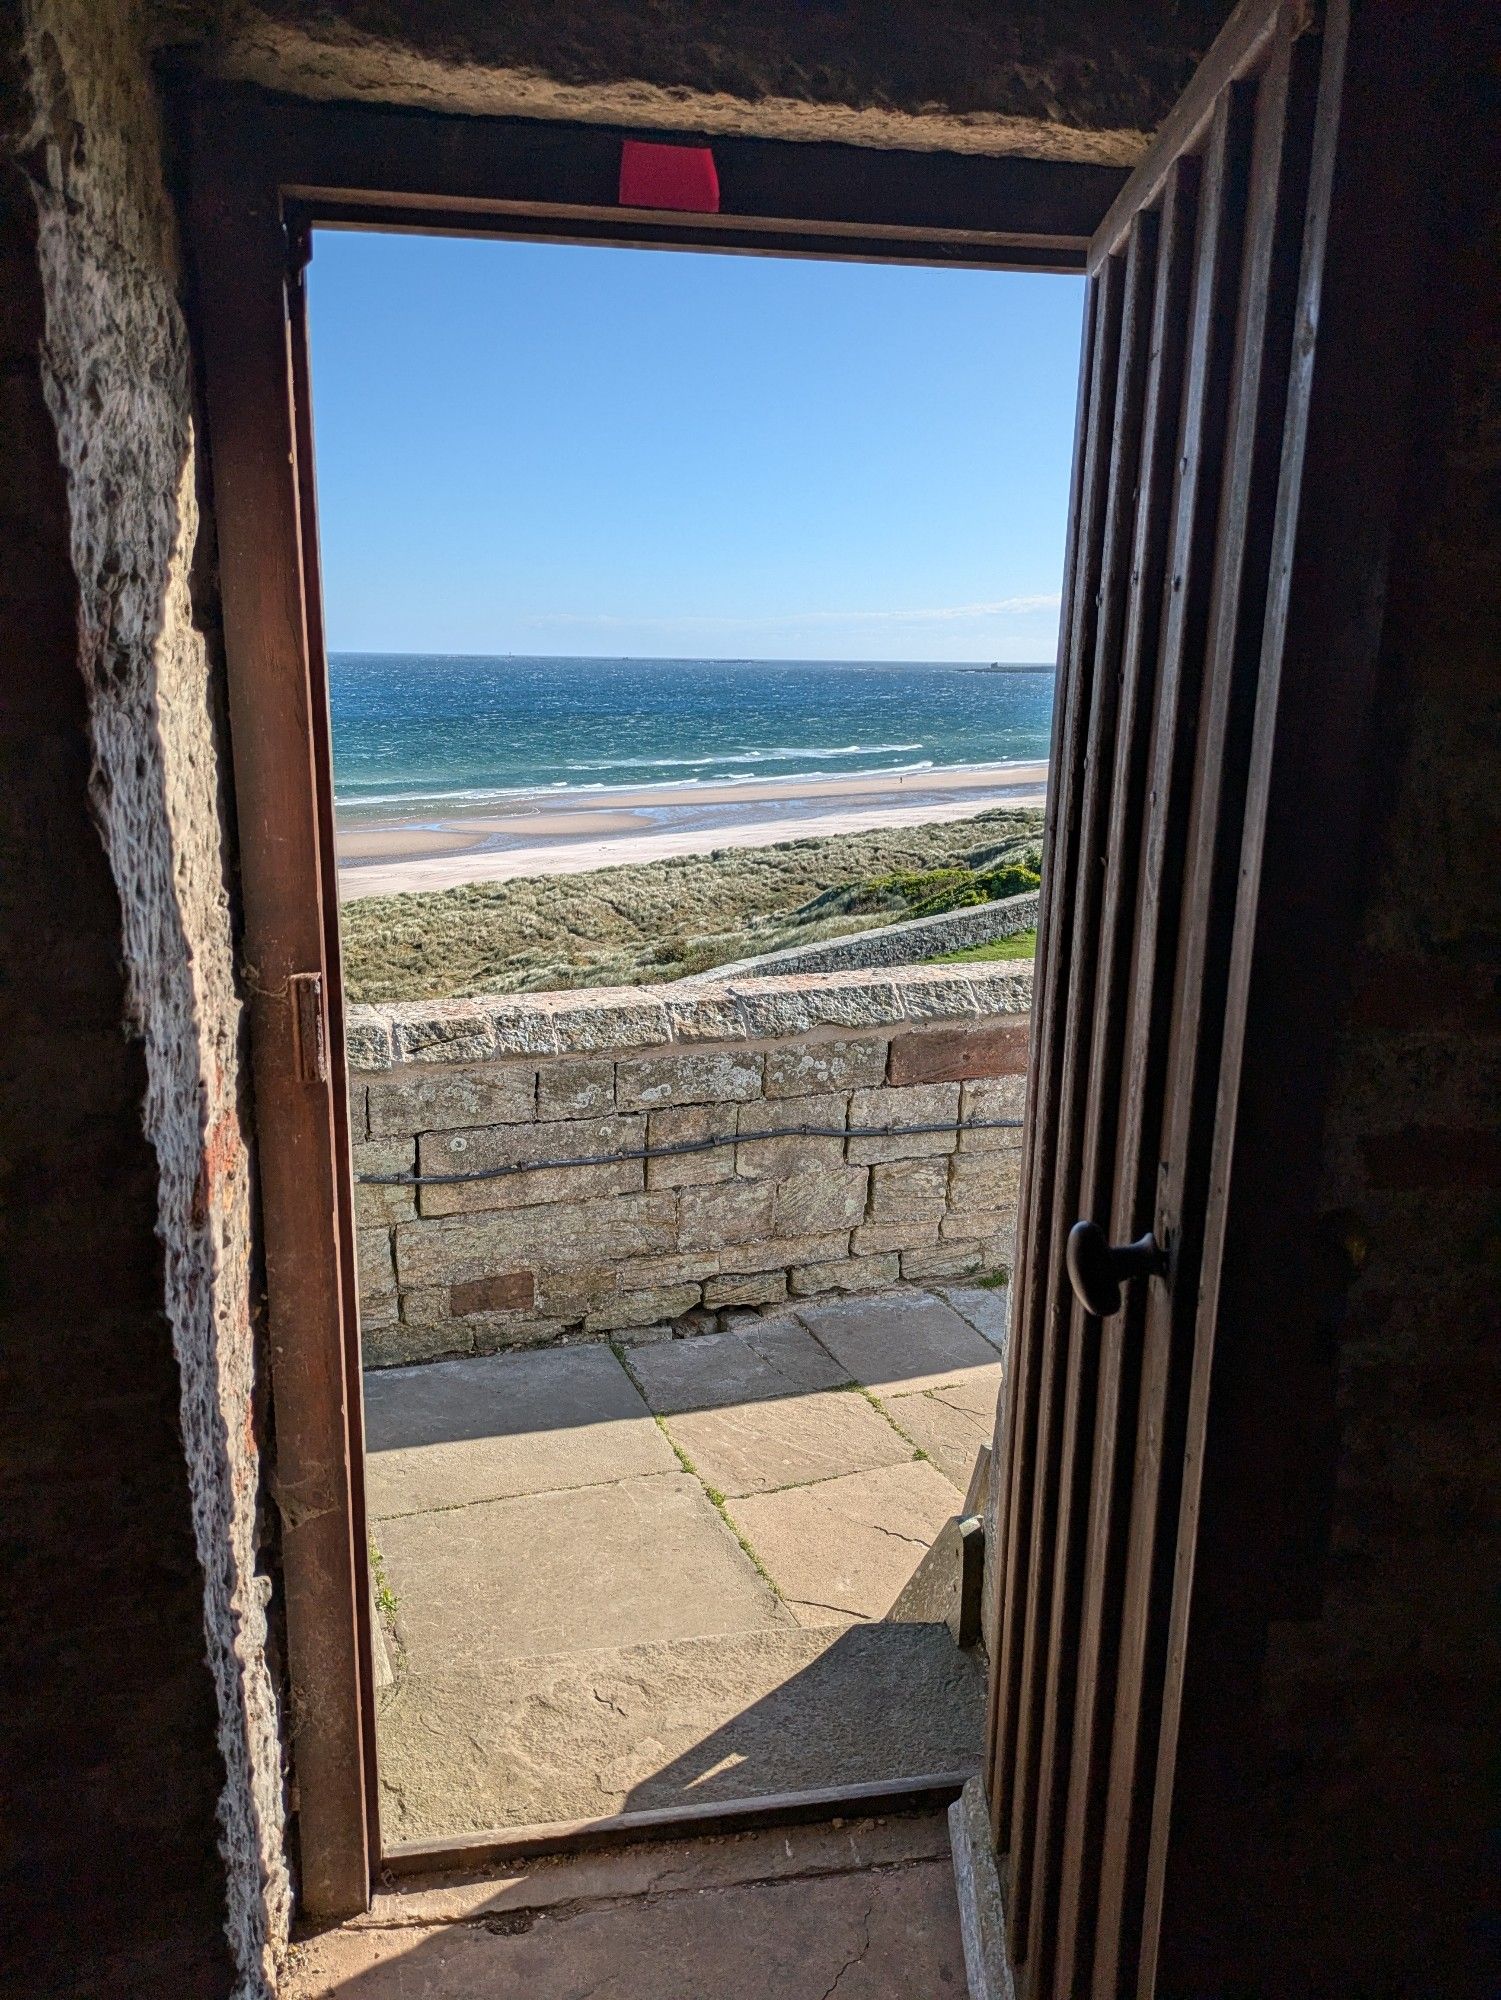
x: 257, y: 196
x: 680, y: 1349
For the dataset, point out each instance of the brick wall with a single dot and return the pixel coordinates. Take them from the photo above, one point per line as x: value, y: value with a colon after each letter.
x: 599, y: 1242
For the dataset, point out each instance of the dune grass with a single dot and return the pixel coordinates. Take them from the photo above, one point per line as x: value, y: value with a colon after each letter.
x: 658, y: 920
x: 1022, y: 945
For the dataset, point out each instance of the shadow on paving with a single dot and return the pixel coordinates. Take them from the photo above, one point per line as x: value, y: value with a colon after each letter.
x: 881, y: 1701
x: 690, y: 1723
x: 866, y: 1907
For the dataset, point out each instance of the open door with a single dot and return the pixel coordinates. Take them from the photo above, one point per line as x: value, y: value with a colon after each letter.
x: 1156, y: 1490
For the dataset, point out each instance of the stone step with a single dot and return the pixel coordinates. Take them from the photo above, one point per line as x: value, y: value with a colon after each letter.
x: 675, y: 1723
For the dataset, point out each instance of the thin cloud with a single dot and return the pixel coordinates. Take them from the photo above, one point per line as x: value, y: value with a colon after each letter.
x: 943, y: 614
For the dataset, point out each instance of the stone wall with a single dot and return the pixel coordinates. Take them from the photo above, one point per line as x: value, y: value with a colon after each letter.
x: 598, y: 1241
x: 1379, y: 1800
x: 146, y: 1789
x: 1085, y: 80
x: 908, y: 943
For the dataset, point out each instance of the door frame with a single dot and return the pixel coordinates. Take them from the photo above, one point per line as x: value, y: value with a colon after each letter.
x: 264, y: 172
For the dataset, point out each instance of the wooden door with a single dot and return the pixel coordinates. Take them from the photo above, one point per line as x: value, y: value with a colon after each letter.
x: 1198, y: 374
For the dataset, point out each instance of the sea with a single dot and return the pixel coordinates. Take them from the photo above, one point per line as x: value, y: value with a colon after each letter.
x: 419, y: 735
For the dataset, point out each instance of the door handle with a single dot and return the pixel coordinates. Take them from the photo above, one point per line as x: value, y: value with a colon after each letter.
x: 1097, y: 1268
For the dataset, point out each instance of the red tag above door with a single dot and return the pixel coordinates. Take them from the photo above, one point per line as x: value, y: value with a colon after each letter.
x: 682, y: 177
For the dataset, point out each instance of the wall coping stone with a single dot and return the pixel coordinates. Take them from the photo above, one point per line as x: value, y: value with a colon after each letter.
x: 380, y: 1037
x: 912, y: 940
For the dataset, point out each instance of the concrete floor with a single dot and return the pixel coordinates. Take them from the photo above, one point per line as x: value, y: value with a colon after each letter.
x: 866, y: 1907
x: 658, y: 1574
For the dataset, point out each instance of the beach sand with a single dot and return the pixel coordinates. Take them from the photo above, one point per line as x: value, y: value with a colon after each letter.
x: 549, y: 834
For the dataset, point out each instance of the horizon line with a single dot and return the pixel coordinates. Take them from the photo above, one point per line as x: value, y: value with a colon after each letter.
x: 697, y: 659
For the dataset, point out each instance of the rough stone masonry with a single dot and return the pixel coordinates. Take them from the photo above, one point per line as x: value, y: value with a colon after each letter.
x: 599, y: 1239
x: 133, y: 1432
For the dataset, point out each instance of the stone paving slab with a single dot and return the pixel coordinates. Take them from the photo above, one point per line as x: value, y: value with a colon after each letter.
x: 842, y: 1550
x: 898, y: 1343
x: 886, y: 1935
x: 977, y: 1393
x: 951, y: 1437
x: 986, y: 1307
x: 713, y: 1861
x: 460, y: 1431
x: 788, y: 1441
x: 646, y: 1727
x: 778, y: 1357
x: 546, y: 1573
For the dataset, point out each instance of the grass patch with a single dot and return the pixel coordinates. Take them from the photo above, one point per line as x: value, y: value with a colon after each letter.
x: 1022, y: 945
x: 720, y: 1505
x: 877, y: 1405
x: 385, y: 1596
x: 995, y: 1280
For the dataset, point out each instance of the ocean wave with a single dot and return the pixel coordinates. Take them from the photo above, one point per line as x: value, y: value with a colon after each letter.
x: 500, y: 796
x: 779, y: 755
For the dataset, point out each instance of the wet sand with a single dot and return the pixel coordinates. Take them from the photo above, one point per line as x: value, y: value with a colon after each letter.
x: 551, y: 835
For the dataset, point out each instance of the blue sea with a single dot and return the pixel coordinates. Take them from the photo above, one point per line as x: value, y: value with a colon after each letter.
x: 423, y: 734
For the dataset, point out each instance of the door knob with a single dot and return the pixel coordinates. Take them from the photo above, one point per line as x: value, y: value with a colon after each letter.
x: 1097, y: 1268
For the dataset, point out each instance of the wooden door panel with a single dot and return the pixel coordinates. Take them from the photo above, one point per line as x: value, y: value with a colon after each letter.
x: 1195, y: 283
x: 1162, y: 1390
x: 1070, y: 1359
x: 1020, y: 1400
x: 1281, y: 143
x: 1112, y: 1144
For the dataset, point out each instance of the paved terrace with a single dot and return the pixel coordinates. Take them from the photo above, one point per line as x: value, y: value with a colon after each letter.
x: 633, y: 1576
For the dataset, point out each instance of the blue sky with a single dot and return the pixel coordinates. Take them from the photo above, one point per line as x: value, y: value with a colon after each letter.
x: 534, y: 448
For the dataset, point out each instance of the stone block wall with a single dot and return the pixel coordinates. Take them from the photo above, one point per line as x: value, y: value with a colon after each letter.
x: 585, y: 1237
x: 907, y: 943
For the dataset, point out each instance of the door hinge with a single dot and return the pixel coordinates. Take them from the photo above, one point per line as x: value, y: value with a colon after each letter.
x: 299, y: 240
x: 309, y: 1026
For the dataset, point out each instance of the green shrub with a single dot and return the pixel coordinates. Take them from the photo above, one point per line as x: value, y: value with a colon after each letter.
x: 935, y: 891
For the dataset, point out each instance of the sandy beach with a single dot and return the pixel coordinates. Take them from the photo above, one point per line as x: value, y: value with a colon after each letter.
x: 553, y: 834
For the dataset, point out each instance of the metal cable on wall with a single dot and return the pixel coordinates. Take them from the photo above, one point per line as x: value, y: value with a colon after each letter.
x: 688, y: 1146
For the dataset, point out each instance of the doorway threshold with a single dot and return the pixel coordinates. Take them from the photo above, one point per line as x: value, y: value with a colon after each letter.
x: 929, y: 1793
